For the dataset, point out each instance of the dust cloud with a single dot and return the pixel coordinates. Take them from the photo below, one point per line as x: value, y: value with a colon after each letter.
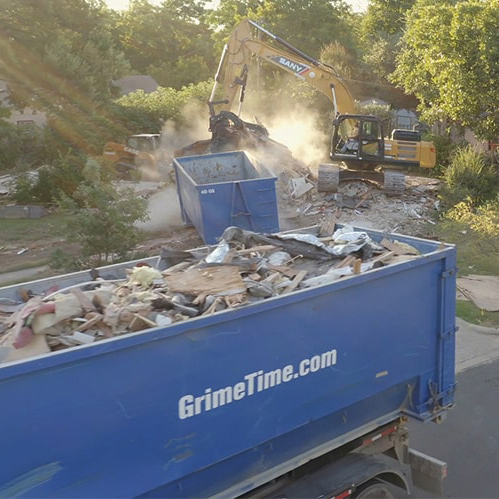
x: 163, y: 206
x: 299, y: 130
x: 164, y: 211
x: 296, y: 127
x: 194, y: 124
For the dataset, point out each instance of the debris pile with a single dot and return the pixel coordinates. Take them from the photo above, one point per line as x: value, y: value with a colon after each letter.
x: 245, y: 267
x: 6, y: 184
x: 361, y: 203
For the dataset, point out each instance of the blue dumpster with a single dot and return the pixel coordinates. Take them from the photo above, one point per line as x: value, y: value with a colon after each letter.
x: 220, y: 404
x: 217, y: 191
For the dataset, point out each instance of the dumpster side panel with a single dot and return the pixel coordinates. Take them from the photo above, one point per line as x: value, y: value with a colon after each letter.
x: 260, y: 200
x: 250, y: 205
x: 190, y: 208
x: 219, y: 190
x: 244, y: 390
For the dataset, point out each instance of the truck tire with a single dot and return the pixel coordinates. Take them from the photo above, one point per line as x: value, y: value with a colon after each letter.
x: 374, y: 489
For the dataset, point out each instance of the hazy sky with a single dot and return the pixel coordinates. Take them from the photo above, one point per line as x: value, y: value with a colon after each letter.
x: 123, y: 4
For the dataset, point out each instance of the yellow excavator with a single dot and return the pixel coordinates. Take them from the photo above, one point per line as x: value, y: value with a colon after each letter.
x: 358, y: 146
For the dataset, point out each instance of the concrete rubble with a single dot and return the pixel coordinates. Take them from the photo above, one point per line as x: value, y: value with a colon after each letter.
x: 244, y: 268
x: 358, y: 202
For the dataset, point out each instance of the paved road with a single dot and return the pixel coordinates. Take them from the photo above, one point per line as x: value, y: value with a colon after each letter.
x: 468, y: 440
x: 7, y: 278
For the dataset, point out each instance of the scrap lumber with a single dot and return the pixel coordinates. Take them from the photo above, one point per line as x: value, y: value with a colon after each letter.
x: 328, y: 225
x: 246, y: 267
x: 399, y: 248
x: 222, y: 280
x: 295, y: 282
x: 356, y: 266
x: 348, y: 260
x: 364, y: 198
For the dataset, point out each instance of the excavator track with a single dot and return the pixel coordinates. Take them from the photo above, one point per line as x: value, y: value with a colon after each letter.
x: 330, y: 175
x: 328, y: 178
x: 394, y: 182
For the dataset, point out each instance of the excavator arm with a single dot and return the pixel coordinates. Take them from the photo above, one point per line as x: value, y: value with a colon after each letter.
x: 364, y: 150
x: 233, y: 69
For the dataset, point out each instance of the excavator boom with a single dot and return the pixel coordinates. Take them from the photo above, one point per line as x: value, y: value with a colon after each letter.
x: 242, y: 44
x: 357, y: 142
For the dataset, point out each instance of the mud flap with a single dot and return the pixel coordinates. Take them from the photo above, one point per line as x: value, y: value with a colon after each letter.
x: 428, y: 473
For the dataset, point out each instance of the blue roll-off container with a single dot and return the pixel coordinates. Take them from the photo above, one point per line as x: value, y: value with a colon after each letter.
x: 217, y: 191
x: 295, y: 376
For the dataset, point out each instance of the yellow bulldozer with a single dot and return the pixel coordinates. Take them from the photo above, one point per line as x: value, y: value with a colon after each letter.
x: 141, y: 155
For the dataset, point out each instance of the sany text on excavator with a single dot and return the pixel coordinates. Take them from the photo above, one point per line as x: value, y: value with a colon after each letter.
x: 358, y: 146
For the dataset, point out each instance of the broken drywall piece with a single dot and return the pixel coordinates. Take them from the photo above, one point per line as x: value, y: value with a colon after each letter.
x: 300, y: 186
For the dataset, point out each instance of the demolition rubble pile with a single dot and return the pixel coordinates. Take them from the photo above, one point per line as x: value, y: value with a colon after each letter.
x: 359, y: 202
x: 245, y: 267
x: 363, y: 204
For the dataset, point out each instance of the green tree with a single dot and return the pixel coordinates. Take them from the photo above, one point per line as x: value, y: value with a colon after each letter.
x: 450, y: 61
x: 102, y: 219
x: 380, y: 31
x: 384, y: 18
x: 58, y: 56
x: 171, y: 42
x: 309, y: 26
x: 90, y: 65
x: 53, y: 47
x: 344, y: 61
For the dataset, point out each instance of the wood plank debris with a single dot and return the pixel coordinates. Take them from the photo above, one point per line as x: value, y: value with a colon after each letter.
x: 328, y: 225
x: 295, y: 282
x: 399, y: 248
x: 244, y: 268
x: 224, y: 280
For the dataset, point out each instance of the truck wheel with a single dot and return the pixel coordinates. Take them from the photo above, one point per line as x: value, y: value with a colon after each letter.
x: 374, y: 489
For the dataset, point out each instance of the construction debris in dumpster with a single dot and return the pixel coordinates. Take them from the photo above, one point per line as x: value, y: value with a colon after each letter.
x: 243, y: 268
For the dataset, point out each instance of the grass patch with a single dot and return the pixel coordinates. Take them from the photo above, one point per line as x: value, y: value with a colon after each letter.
x: 470, y: 313
x: 27, y: 230
x: 475, y: 254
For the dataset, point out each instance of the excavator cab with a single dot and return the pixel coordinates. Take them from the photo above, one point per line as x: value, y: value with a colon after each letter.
x: 357, y: 140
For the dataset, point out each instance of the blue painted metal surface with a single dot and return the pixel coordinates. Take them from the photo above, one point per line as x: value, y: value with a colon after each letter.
x: 226, y: 189
x: 220, y: 403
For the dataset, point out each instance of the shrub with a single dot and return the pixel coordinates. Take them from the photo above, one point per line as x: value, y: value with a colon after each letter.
x: 102, y: 220
x: 484, y: 220
x: 445, y: 148
x: 165, y: 103
x: 25, y: 147
x: 50, y: 182
x: 469, y: 175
